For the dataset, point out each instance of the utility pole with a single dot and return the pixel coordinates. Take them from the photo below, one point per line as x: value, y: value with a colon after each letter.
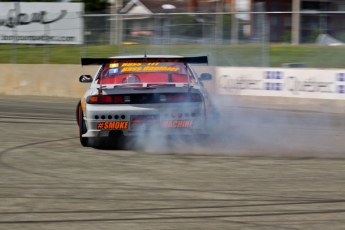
x: 296, y: 22
x: 116, y: 23
x: 219, y: 22
x: 234, y: 23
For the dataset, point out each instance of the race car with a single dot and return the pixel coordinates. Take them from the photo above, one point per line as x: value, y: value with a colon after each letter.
x: 137, y: 95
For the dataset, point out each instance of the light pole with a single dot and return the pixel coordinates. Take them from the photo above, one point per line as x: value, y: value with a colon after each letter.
x: 116, y: 22
x: 167, y: 7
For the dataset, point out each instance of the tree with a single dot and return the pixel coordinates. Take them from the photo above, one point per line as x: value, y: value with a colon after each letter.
x: 30, y: 1
x: 94, y: 5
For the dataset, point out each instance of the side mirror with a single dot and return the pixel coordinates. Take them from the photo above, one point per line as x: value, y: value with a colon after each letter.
x: 85, y: 78
x: 205, y: 77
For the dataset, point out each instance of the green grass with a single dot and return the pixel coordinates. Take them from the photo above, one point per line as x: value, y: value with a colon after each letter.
x: 221, y: 55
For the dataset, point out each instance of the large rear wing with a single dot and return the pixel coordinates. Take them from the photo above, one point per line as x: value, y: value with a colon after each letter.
x: 186, y: 60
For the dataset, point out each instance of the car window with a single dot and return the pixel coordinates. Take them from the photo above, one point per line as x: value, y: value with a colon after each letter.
x: 136, y: 72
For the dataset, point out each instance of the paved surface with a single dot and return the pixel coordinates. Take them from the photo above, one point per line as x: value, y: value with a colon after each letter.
x: 265, y: 169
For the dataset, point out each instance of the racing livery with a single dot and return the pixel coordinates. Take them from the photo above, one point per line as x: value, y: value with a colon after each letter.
x: 133, y: 95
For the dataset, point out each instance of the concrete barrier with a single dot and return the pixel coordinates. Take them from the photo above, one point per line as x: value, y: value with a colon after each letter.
x: 43, y: 79
x: 56, y: 80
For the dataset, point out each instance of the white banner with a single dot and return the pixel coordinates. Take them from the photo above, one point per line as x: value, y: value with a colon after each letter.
x: 41, y: 23
x: 282, y: 82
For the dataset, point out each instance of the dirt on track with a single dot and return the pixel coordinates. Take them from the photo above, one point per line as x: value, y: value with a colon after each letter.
x: 269, y: 169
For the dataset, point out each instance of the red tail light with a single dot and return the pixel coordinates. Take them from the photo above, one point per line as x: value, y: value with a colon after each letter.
x: 104, y: 99
x: 183, y: 97
x: 196, y: 97
x: 118, y: 99
x: 172, y: 97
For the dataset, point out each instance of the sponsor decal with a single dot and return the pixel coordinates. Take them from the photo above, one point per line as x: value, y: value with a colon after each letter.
x: 113, y: 65
x: 340, y: 79
x: 131, y: 69
x: 273, y: 86
x: 273, y: 80
x: 273, y: 75
x: 113, y: 125
x: 295, y: 85
x: 131, y: 64
x: 150, y: 69
x: 113, y: 71
x: 178, y: 124
x: 240, y: 83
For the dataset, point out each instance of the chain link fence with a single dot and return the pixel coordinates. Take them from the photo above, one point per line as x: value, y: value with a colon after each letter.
x: 229, y: 39
x: 222, y: 36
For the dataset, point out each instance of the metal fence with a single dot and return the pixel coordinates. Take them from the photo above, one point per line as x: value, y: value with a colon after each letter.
x: 231, y: 39
x: 222, y: 36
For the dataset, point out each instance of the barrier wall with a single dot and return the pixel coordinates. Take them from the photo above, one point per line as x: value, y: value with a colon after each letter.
x: 56, y: 80
x: 322, y: 87
x: 282, y: 82
x: 43, y: 79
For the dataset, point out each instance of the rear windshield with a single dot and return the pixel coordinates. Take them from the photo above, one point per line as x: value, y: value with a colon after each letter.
x: 137, y: 72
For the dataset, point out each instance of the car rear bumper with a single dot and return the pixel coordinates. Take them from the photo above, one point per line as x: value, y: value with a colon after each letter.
x: 131, y: 120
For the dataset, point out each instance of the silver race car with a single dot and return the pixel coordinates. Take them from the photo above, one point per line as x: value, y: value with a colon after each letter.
x: 140, y: 95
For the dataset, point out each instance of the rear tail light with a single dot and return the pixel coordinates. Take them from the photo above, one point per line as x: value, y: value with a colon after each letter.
x: 183, y: 97
x: 196, y: 97
x: 145, y: 98
x: 117, y: 99
x: 104, y: 99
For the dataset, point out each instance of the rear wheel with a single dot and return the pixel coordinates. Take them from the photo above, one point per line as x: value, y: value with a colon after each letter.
x: 84, y: 141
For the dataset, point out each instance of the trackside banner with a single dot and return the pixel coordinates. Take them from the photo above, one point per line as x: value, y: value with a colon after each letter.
x: 41, y: 23
x: 282, y: 82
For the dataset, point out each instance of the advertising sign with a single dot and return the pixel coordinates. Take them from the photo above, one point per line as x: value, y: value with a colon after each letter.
x: 41, y: 23
x: 281, y: 82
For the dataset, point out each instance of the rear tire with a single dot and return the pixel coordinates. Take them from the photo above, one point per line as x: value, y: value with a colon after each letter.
x: 84, y: 141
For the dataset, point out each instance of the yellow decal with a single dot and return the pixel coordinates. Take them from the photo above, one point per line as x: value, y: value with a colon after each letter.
x: 113, y: 65
x: 160, y: 68
x: 131, y: 69
x: 153, y: 63
x: 131, y: 64
x: 178, y: 124
x: 113, y: 125
x: 150, y: 69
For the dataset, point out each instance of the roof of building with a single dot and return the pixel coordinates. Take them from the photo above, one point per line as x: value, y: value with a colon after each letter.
x: 151, y: 7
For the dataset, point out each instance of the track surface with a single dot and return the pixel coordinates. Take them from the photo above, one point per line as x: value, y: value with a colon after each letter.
x: 266, y: 169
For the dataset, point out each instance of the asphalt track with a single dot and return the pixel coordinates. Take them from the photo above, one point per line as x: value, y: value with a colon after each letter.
x: 265, y: 169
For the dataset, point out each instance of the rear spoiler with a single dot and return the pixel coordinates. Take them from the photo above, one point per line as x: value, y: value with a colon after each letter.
x: 187, y: 60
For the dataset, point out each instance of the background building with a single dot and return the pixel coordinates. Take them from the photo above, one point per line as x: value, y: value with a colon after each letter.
x: 314, y: 19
